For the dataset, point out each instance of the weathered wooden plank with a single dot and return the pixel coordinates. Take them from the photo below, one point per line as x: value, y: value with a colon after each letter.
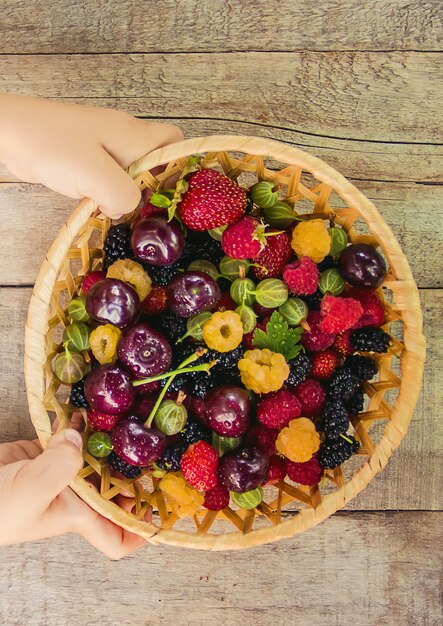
x: 372, y: 569
x: 412, y: 479
x: 64, y: 26
x: 355, y: 159
x: 360, y: 95
x: 30, y: 216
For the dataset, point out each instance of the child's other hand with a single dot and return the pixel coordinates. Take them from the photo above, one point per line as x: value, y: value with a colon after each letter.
x: 77, y: 150
x: 35, y: 501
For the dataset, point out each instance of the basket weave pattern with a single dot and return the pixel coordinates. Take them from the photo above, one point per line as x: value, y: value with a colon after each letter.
x: 315, y: 190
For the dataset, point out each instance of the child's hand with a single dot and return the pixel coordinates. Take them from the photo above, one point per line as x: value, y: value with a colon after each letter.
x: 35, y: 501
x: 77, y: 150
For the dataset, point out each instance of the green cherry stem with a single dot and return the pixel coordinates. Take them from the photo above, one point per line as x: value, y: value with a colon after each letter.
x: 154, y: 410
x: 345, y: 438
x: 205, y: 367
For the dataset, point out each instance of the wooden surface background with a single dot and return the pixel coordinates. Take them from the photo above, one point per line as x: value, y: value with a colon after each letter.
x: 356, y: 83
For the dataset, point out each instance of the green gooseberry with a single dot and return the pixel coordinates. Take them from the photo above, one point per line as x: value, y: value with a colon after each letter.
x: 248, y: 499
x: 225, y: 444
x: 339, y: 240
x: 331, y: 281
x: 294, y: 311
x: 100, y: 445
x: 248, y: 318
x: 280, y: 215
x: 70, y: 367
x: 194, y: 326
x: 76, y: 337
x: 242, y: 291
x: 217, y: 233
x: 271, y: 293
x: 77, y: 309
x: 263, y: 194
x: 234, y: 268
x: 201, y: 265
x: 171, y: 417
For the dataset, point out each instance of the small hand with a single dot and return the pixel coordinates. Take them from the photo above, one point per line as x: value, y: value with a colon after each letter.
x: 36, y: 502
x: 77, y: 150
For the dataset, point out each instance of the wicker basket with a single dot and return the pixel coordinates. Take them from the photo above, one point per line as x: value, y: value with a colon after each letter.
x: 314, y: 189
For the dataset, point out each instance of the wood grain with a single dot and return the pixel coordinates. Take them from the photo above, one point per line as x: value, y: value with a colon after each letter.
x: 359, y: 160
x: 370, y: 569
x: 358, y: 95
x: 90, y: 26
x: 413, y: 211
x: 412, y: 479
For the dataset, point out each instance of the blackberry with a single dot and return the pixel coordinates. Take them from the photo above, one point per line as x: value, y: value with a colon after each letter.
x: 177, y: 384
x: 369, y: 339
x: 300, y: 368
x: 356, y: 403
x: 334, y: 452
x: 313, y: 300
x: 117, y: 244
x: 200, y: 245
x: 77, y: 396
x: 171, y: 457
x: 362, y: 366
x: 194, y: 431
x: 170, y: 325
x: 161, y: 275
x: 335, y: 419
x: 226, y: 361
x: 200, y: 385
x: 343, y: 384
x: 129, y: 471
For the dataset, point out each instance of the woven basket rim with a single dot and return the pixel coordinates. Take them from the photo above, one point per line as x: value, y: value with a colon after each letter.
x: 412, y: 358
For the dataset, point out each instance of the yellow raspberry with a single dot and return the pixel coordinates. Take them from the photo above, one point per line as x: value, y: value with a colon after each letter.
x: 133, y: 273
x: 263, y: 371
x: 311, y: 238
x: 103, y: 341
x: 185, y: 501
x: 299, y: 440
x: 223, y: 331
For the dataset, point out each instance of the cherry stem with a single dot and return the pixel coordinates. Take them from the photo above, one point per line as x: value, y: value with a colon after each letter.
x: 205, y: 367
x: 345, y: 438
x: 154, y: 410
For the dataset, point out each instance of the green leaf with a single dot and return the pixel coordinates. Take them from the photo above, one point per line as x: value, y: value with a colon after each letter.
x: 161, y: 200
x: 279, y: 337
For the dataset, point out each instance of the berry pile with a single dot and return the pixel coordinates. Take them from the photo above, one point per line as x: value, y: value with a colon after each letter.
x: 219, y: 352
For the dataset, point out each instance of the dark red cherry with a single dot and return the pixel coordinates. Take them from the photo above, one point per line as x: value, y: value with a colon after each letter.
x: 144, y: 351
x: 191, y: 293
x: 108, y: 389
x: 157, y: 241
x: 113, y: 301
x: 137, y: 444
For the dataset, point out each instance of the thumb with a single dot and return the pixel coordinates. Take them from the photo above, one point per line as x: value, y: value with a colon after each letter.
x: 103, y: 180
x: 43, y: 478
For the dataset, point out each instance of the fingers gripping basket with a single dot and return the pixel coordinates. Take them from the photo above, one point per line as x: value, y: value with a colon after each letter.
x: 313, y: 188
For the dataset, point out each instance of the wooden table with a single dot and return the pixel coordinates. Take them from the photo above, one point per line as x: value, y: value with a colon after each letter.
x: 356, y: 83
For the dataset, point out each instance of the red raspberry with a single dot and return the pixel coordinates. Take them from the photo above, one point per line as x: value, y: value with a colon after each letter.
x: 226, y: 303
x: 315, y: 339
x: 245, y: 239
x: 301, y: 276
x: 90, y: 279
x: 155, y: 301
x: 148, y: 210
x: 262, y: 437
x: 342, y: 344
x: 278, y: 409
x: 217, y: 498
x: 339, y: 314
x: 199, y: 466
x: 312, y: 397
x: 308, y: 473
x: 101, y: 421
x: 276, y: 470
x: 273, y: 258
x: 323, y: 364
x: 373, y: 315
